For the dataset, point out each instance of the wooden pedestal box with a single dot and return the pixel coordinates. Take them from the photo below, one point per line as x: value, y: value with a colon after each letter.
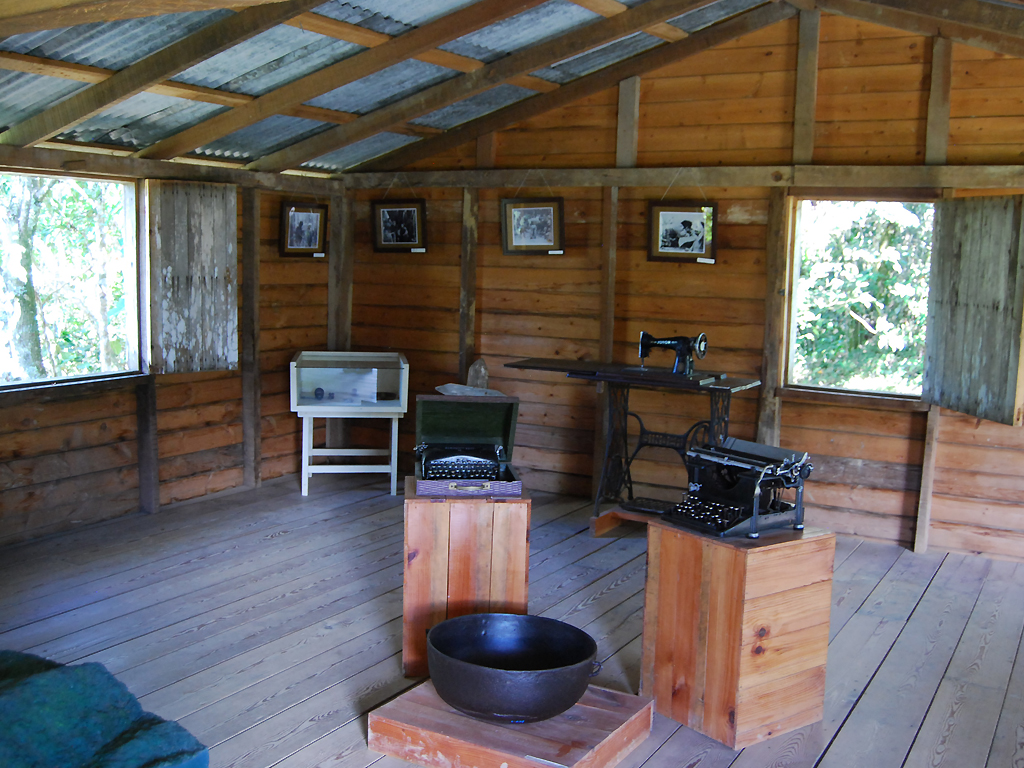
x: 736, y: 630
x: 462, y: 555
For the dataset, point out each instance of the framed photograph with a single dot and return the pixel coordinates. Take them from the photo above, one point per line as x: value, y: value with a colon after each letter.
x: 532, y: 226
x: 303, y: 229
x: 399, y: 226
x: 681, y: 230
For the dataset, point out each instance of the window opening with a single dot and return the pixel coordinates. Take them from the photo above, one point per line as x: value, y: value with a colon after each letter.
x: 860, y: 298
x: 68, y: 278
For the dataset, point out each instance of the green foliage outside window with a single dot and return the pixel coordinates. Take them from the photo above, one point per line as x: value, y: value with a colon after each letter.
x: 861, y: 302
x: 67, y: 278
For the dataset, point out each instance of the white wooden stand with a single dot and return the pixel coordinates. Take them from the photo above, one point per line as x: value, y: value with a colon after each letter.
x: 309, y: 452
x: 333, y: 385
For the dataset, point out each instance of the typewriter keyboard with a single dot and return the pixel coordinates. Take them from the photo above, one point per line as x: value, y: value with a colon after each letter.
x: 461, y: 468
x: 704, y: 515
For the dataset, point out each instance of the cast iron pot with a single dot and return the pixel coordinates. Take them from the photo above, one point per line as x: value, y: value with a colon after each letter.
x: 510, y: 668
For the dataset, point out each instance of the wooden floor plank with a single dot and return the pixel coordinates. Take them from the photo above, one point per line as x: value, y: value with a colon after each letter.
x: 883, y: 724
x: 961, y: 722
x: 269, y: 624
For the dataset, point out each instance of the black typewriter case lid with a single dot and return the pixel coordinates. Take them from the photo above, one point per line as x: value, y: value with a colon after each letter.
x: 469, y: 420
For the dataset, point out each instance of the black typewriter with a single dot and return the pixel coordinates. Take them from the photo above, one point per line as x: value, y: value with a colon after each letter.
x: 736, y: 488
x: 460, y: 462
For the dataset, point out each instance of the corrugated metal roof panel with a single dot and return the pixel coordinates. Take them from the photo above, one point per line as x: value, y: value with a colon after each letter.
x: 111, y: 45
x: 141, y: 120
x: 353, y: 154
x: 598, y: 58
x: 391, y: 17
x: 475, y: 106
x: 712, y: 14
x: 262, y: 138
x: 268, y: 61
x: 23, y: 95
x: 553, y: 18
x: 383, y: 87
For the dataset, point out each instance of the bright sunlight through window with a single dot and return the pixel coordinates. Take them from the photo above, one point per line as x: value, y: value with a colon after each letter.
x: 860, y: 304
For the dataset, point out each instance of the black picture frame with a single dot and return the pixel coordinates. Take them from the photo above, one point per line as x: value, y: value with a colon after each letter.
x: 303, y: 229
x: 532, y: 226
x: 682, y: 230
x: 399, y: 226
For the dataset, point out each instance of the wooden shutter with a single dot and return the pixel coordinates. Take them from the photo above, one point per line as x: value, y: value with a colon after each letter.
x: 192, y: 239
x: 976, y: 309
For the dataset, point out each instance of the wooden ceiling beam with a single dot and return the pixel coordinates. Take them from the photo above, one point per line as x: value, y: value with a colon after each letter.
x: 724, y: 31
x: 609, y: 8
x: 503, y: 70
x: 157, y: 67
x: 351, y: 33
x: 438, y: 32
x: 36, y: 15
x: 889, y: 15
x: 83, y: 73
x: 973, y: 13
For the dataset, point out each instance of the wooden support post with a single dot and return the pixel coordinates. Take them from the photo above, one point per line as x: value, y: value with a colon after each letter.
x: 250, y: 342
x: 924, y: 503
x: 627, y: 132
x: 806, y: 99
x: 341, y: 269
x: 769, y: 415
x: 149, y: 459
x: 467, y: 282
x: 609, y: 251
x: 937, y: 132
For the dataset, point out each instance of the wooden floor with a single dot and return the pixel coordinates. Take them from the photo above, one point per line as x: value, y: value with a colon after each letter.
x: 268, y: 624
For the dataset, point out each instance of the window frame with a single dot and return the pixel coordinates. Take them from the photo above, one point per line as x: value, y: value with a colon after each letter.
x: 100, y: 381
x: 788, y: 390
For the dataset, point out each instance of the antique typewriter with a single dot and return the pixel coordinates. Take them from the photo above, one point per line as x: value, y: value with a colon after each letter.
x: 460, y: 462
x: 737, y: 488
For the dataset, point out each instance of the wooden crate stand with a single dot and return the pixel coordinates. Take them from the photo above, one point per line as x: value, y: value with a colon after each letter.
x: 462, y: 555
x: 736, y: 630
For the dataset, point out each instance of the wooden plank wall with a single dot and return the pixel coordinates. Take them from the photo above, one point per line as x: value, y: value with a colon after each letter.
x: 65, y: 461
x: 293, y: 317
x: 544, y: 306
x: 872, y: 94
x: 74, y: 460
x: 409, y: 303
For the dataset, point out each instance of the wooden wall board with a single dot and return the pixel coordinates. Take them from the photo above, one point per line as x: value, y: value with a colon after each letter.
x: 857, y: 522
x: 741, y: 85
x: 893, y: 78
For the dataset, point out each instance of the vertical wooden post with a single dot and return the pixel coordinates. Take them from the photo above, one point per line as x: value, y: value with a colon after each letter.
x: 936, y: 146
x: 806, y: 99
x: 606, y: 341
x: 341, y: 259
x: 627, y: 132
x: 149, y: 459
x: 250, y: 363
x: 145, y: 391
x: 769, y: 412
x: 924, y: 503
x: 467, y: 281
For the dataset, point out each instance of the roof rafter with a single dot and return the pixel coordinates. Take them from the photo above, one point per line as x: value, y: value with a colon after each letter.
x: 35, y: 15
x: 353, y: 68
x: 503, y: 70
x: 342, y: 30
x: 922, y: 23
x: 158, y: 66
x: 724, y: 31
x: 610, y: 8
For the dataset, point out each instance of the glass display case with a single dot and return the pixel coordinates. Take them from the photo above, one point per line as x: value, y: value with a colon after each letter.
x: 348, y: 385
